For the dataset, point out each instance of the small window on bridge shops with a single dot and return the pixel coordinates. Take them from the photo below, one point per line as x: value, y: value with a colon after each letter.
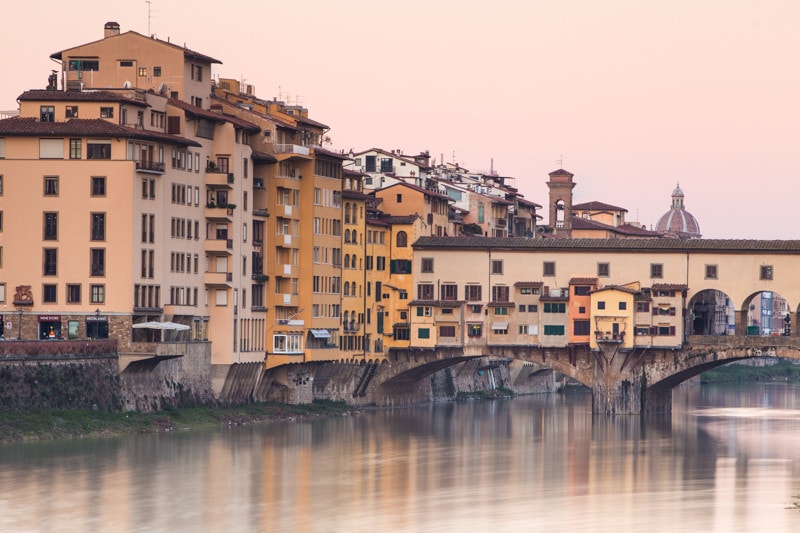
x: 642, y: 331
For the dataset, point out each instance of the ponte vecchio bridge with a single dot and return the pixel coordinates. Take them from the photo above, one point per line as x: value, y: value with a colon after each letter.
x: 732, y: 300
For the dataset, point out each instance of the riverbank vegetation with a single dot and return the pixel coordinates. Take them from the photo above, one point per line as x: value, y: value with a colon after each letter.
x: 734, y: 373
x: 18, y: 426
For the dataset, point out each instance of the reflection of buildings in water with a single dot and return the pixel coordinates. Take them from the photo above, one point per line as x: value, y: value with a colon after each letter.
x: 712, y: 313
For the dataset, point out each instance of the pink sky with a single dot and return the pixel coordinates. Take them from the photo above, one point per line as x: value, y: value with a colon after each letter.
x: 634, y: 95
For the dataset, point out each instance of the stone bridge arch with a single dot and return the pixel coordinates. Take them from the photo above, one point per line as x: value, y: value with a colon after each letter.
x: 710, y: 312
x: 766, y: 313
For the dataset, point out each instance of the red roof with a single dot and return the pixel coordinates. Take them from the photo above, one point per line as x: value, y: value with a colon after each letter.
x: 97, y: 127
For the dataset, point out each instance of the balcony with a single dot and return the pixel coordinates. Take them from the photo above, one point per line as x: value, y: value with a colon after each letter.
x: 607, y: 336
x: 351, y: 327
x: 291, y: 150
x: 284, y: 240
x: 261, y: 213
x: 150, y: 167
x: 218, y: 279
x: 258, y: 183
x: 218, y: 212
x: 219, y: 246
x: 218, y: 179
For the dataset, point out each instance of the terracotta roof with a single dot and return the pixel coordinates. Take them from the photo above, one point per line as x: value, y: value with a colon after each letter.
x: 330, y: 153
x: 583, y: 281
x: 32, y: 127
x: 351, y: 172
x: 528, y: 284
x: 401, y: 219
x: 597, y: 206
x: 617, y: 288
x: 210, y: 115
x: 309, y: 122
x: 354, y: 195
x: 668, y: 287
x: 186, y: 52
x: 35, y: 95
x: 561, y: 172
x: 637, y: 245
x: 581, y: 223
x: 428, y: 192
x: 523, y: 201
x: 438, y: 303
x: 402, y: 157
x: 263, y: 157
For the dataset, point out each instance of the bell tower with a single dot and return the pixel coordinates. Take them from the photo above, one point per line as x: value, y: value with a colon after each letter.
x: 561, y: 186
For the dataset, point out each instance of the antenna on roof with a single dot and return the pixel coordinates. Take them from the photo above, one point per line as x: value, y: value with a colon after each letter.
x: 149, y: 16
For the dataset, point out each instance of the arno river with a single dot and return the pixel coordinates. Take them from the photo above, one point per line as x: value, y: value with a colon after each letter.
x: 726, y: 460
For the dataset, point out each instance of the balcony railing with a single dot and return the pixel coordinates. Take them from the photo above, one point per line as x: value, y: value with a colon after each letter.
x: 260, y: 213
x: 351, y: 327
x: 150, y: 166
x: 292, y: 149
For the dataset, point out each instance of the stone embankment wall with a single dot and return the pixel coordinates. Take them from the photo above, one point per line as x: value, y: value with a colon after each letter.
x: 59, y: 375
x: 157, y: 383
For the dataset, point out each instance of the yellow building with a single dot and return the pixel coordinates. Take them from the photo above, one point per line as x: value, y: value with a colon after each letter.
x: 354, y: 281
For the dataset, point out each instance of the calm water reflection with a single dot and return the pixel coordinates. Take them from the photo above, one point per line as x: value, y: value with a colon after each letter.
x: 728, y: 459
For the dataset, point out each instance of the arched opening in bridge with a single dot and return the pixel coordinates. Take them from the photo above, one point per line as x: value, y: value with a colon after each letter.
x: 711, y: 312
x: 768, y: 314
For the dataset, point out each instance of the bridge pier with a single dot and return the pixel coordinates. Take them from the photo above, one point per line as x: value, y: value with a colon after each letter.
x: 617, y: 398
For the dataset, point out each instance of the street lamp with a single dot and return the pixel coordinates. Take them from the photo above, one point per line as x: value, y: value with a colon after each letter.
x: 19, y: 326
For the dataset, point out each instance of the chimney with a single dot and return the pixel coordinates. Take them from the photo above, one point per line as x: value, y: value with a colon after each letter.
x: 110, y: 29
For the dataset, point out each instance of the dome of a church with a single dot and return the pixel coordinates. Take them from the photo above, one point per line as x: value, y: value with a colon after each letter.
x: 678, y: 222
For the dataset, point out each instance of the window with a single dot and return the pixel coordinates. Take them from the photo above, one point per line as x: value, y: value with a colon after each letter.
x: 51, y: 148
x: 424, y: 333
x: 98, y: 149
x: 1, y: 185
x: 623, y: 306
x: 402, y: 239
x: 287, y: 343
x: 555, y: 307
x: 51, y: 185
x: 550, y: 329
x: 50, y: 260
x: 603, y: 270
x: 656, y: 270
x: 580, y: 327
x: 142, y: 72
x: 156, y: 72
x: 106, y: 112
x: 643, y: 307
x: 98, y: 226
x: 398, y: 266
x: 424, y: 311
x: 2, y: 292
x: 75, y: 148
x: 98, y: 262
x: 500, y: 293
x: 497, y: 266
x: 473, y: 293
x: 448, y: 292
x: 581, y: 290
x: 766, y: 271
x: 711, y: 271
x: 549, y: 268
x: 425, y: 291
x: 501, y: 311
x: 402, y: 333
x: 98, y: 186
x: 427, y: 265
x: 49, y: 293
x: 73, y: 293
x: 98, y: 294
x: 47, y: 113
x: 447, y: 331
x: 474, y: 330
x: 50, y: 227
x: 601, y: 305
x: 71, y: 111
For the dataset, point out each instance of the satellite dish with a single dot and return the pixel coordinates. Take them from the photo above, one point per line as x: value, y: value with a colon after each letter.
x: 127, y: 85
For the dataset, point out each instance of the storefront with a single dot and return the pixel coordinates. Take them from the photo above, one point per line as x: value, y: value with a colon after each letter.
x: 97, y: 327
x: 50, y: 327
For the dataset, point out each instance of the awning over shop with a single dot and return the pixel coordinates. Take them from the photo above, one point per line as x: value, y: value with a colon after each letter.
x: 161, y: 325
x: 500, y: 325
x: 321, y: 333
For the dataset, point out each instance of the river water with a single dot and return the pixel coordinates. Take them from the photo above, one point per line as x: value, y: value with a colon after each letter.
x: 726, y: 460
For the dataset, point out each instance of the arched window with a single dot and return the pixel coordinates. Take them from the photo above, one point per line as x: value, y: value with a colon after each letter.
x: 346, y: 261
x: 347, y: 213
x: 346, y: 316
x: 347, y: 235
x: 346, y: 293
x: 355, y: 218
x: 402, y: 239
x: 354, y: 237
